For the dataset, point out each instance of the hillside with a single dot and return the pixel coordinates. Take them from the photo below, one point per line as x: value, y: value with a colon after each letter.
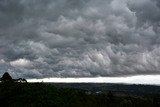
x: 47, y: 95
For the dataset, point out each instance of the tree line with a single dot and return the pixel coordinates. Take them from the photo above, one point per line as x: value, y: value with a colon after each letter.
x: 7, y: 78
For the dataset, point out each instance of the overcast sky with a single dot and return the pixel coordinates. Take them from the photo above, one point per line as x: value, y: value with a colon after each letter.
x: 79, y: 38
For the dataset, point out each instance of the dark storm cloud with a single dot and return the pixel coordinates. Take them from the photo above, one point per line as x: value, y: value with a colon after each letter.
x: 79, y: 38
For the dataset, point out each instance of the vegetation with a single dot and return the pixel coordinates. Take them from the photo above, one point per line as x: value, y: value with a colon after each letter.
x: 6, y: 78
x: 17, y: 94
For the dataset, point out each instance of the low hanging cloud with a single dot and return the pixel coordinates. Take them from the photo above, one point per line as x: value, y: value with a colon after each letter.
x: 84, y: 38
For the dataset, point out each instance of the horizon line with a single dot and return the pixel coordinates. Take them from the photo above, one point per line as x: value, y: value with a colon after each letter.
x: 138, y: 79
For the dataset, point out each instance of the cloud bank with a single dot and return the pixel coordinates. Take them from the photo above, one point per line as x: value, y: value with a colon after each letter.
x: 79, y: 38
x: 139, y: 79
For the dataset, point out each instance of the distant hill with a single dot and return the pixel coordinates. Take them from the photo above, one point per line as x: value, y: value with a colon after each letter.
x: 95, y: 87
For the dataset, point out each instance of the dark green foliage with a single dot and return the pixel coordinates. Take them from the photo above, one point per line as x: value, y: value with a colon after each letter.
x: 126, y: 103
x: 6, y: 77
x: 45, y: 95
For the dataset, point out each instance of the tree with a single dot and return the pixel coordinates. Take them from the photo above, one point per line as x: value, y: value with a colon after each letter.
x: 21, y: 80
x: 110, y: 96
x: 6, y: 77
x: 126, y: 103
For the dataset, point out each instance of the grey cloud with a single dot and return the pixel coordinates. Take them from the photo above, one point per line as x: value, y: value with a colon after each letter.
x: 84, y: 38
x: 10, y: 12
x: 144, y: 11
